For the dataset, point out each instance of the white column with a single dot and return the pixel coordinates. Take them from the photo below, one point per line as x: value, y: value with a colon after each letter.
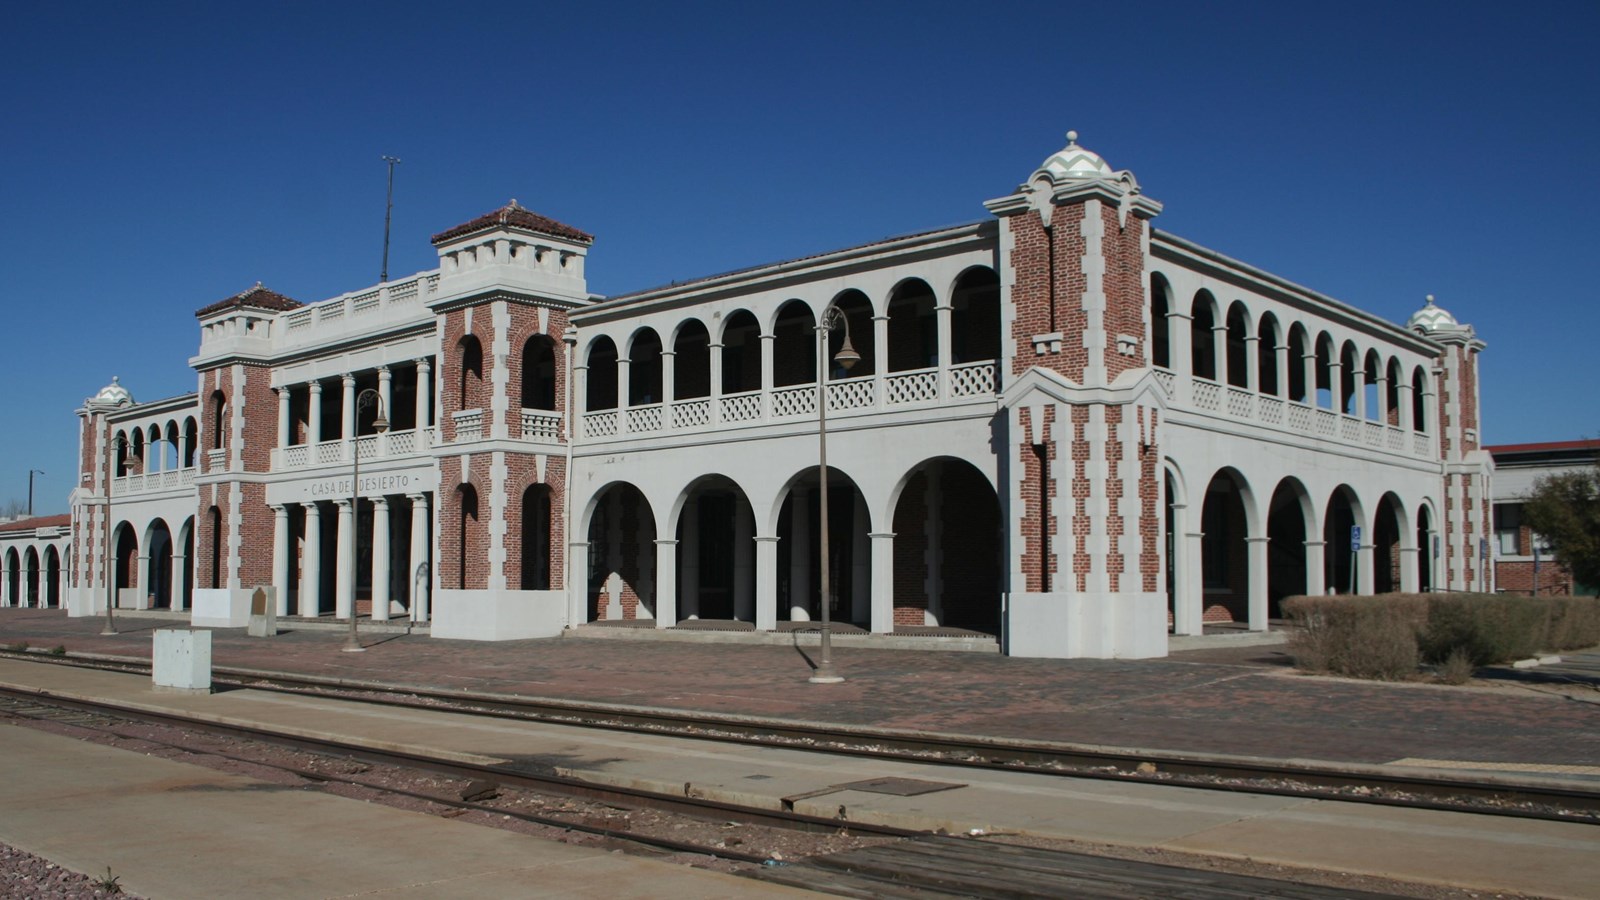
x: 933, y: 558
x: 311, y: 563
x: 624, y: 377
x: 423, y: 398
x: 1183, y: 621
x: 344, y: 591
x: 861, y: 563
x: 1308, y: 369
x: 1180, y: 327
x: 1192, y: 579
x: 283, y: 416
x: 577, y: 563
x: 419, y: 587
x: 1281, y: 355
x: 1405, y: 418
x: 280, y: 561
x: 314, y: 426
x: 5, y: 582
x: 1316, y: 568
x: 1358, y: 383
x: 1383, y: 397
x: 666, y: 584
x: 942, y: 316
x: 1336, y: 385
x: 347, y: 418
x: 385, y: 397
x: 768, y: 341
x: 1256, y: 566
x: 669, y: 390
x: 766, y: 582
x: 382, y: 565
x: 1252, y: 363
x: 1410, y: 573
x: 800, y: 557
x: 882, y: 621
x: 880, y: 357
x: 715, y: 400
x: 1366, y: 578
x: 1219, y: 349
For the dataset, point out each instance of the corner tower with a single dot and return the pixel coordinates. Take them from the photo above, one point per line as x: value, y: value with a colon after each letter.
x: 1083, y: 411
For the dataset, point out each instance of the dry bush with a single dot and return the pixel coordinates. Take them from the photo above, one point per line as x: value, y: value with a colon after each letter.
x: 1361, y: 637
x: 1491, y: 628
x: 1574, y: 623
x: 1457, y: 668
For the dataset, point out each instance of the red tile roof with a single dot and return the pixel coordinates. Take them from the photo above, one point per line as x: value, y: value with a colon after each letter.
x: 514, y: 215
x: 37, y: 522
x: 1536, y: 448
x: 257, y: 297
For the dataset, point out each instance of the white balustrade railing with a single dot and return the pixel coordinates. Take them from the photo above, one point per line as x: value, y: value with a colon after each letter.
x: 691, y: 413
x: 912, y: 387
x: 1241, y: 403
x: 297, y: 457
x: 367, y: 447
x: 149, y: 482
x: 1422, y: 445
x: 302, y: 323
x: 330, y: 453
x: 1166, y: 380
x: 744, y: 407
x: 1207, y: 394
x: 644, y: 418
x: 794, y: 401
x: 1397, y: 439
x: 336, y: 453
x: 541, y: 425
x: 1327, y: 422
x: 364, y: 303
x: 1373, y: 432
x: 217, y: 459
x: 1300, y: 417
x: 469, y: 425
x: 1350, y: 429
x: 855, y: 393
x: 186, y: 476
x: 600, y: 424
x: 400, y: 443
x: 1271, y: 409
x: 972, y: 379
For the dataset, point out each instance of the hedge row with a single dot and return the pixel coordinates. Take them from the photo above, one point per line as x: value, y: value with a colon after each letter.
x: 1387, y: 636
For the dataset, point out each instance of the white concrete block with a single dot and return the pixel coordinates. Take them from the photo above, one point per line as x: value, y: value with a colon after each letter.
x: 181, y: 660
x: 220, y: 608
x: 501, y: 615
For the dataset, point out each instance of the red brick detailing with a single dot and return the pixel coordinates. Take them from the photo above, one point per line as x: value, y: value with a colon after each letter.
x: 1150, y: 526
x: 522, y: 473
x: 1038, y: 530
x: 1468, y: 401
x: 1115, y: 488
x: 460, y: 390
x: 1125, y: 287
x: 1081, y: 490
x: 463, y: 562
x: 524, y: 325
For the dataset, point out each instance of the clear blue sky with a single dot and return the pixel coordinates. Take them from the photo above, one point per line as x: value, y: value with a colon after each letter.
x: 156, y: 157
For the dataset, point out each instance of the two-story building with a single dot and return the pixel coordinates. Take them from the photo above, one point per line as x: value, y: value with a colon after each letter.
x: 1056, y: 425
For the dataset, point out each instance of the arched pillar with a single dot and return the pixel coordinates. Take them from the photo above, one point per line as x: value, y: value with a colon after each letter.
x: 666, y: 583
x: 1316, y: 571
x: 882, y: 620
x: 344, y: 592
x: 1256, y: 562
x: 766, y: 582
x: 280, y: 558
x: 382, y: 565
x: 310, y: 604
x: 421, y: 574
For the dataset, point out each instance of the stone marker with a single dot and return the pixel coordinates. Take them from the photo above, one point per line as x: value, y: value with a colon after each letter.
x: 181, y: 661
x: 263, y: 612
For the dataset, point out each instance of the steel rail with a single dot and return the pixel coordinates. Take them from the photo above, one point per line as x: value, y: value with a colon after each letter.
x: 1441, y: 792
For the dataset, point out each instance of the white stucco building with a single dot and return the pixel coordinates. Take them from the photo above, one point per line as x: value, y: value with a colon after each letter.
x: 1066, y: 429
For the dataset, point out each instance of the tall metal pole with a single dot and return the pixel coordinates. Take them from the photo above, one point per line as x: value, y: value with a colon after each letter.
x: 824, y: 673
x: 31, y: 473
x: 387, y: 213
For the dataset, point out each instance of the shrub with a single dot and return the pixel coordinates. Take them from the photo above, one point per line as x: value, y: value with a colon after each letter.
x: 1457, y: 667
x: 1361, y: 637
x: 1574, y: 623
x: 1489, y: 628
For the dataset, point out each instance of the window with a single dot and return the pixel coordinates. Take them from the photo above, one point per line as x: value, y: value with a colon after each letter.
x: 1508, y: 529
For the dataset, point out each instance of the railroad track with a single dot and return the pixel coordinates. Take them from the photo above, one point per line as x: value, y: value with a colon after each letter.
x: 913, y: 865
x: 1366, y: 784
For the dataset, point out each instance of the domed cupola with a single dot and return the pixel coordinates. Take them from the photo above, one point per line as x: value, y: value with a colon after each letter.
x: 1073, y: 162
x: 114, y: 394
x: 1436, y: 322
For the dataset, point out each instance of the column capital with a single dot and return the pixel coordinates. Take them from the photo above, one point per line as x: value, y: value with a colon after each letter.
x: 422, y: 362
x: 348, y: 379
x: 380, y: 501
x: 1257, y: 540
x: 765, y: 538
x: 664, y: 543
x: 315, y: 385
x: 343, y: 503
x: 417, y: 498
x: 383, y: 372
x: 881, y: 535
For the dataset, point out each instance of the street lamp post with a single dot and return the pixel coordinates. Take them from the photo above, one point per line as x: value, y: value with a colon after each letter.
x: 31, y: 473
x: 381, y: 425
x: 847, y: 357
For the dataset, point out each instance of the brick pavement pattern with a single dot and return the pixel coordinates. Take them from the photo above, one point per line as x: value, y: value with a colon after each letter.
x: 1174, y: 704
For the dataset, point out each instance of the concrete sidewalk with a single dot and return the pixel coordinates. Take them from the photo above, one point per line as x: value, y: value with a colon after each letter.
x: 1548, y: 858
x: 169, y: 830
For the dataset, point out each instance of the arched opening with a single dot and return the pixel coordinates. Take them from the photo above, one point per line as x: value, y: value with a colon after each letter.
x: 741, y: 353
x: 1349, y: 368
x: 601, y: 392
x: 1298, y: 350
x: 622, y: 559
x: 1427, y: 550
x: 1224, y: 568
x: 974, y: 317
x: 1419, y: 401
x: 124, y: 449
x: 52, y: 578
x: 691, y: 361
x: 794, y: 355
x: 30, y: 562
x: 1271, y: 337
x: 913, y: 327
x: 948, y: 561
x: 1338, y: 535
x: 1287, y: 519
x: 536, y: 530
x: 1202, y: 337
x: 127, y: 559
x: 539, y: 373
x: 1238, y: 346
x: 1324, y: 365
x: 158, y: 577
x: 1160, y: 333
x: 644, y: 368
x: 173, y: 451
x: 800, y: 554
x: 716, y: 553
x: 1372, y: 387
x: 184, y: 576
x: 216, y: 547
x: 191, y: 441
x: 471, y: 533
x: 1169, y: 532
x: 219, y: 419
x: 469, y: 393
x: 13, y: 575
x: 1392, y: 388
x: 1388, y: 524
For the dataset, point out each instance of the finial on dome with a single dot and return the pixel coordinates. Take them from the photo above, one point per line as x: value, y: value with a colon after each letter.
x: 258, y: 285
x: 1072, y: 138
x: 1430, y: 299
x: 514, y: 203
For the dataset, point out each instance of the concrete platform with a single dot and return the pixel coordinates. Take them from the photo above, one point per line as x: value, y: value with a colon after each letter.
x: 1498, y: 854
x: 171, y: 830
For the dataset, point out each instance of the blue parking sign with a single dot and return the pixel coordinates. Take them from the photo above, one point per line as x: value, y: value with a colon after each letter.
x: 1355, y: 538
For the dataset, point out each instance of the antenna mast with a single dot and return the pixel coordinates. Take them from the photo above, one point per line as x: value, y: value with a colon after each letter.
x: 387, y: 213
